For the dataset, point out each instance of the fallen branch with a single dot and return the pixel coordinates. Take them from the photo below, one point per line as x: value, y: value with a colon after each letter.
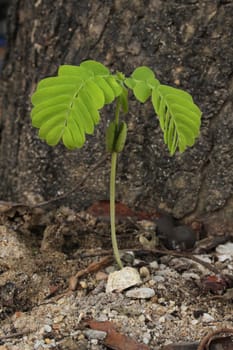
x: 93, y: 267
x: 207, y: 339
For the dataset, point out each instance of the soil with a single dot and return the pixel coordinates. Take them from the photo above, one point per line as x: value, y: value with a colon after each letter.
x: 42, y: 249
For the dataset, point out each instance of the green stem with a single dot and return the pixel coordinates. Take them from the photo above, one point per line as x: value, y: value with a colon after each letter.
x: 112, y: 195
x: 117, y: 113
x: 112, y: 209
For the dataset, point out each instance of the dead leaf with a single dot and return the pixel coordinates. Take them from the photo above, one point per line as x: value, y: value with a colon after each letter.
x: 214, y: 283
x: 115, y: 340
x: 101, y: 210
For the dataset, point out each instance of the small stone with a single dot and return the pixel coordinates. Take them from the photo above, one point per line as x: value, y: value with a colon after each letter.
x: 146, y: 338
x: 128, y: 257
x: 140, y: 293
x: 223, y: 258
x: 207, y: 318
x: 183, y: 308
x: 123, y: 279
x: 112, y: 314
x: 151, y: 283
x: 93, y: 334
x: 141, y: 318
x: 103, y: 318
x: 83, y: 284
x: 162, y: 267
x: 161, y: 300
x: 191, y: 276
x: 194, y: 322
x: 47, y: 328
x: 162, y: 319
x: 154, y: 265
x: 158, y: 278
x: 226, y: 248
x: 138, y: 262
x: 81, y: 337
x: 144, y: 272
x: 38, y: 344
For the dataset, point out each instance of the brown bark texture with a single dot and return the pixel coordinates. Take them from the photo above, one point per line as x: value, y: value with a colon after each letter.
x: 188, y: 43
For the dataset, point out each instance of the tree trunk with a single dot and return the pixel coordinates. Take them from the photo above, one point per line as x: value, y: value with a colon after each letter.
x: 187, y: 43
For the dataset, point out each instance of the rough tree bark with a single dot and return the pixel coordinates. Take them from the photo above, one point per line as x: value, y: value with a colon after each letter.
x: 188, y: 43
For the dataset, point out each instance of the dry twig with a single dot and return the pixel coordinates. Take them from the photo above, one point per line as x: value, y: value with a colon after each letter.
x: 15, y: 335
x: 207, y: 339
x: 159, y: 251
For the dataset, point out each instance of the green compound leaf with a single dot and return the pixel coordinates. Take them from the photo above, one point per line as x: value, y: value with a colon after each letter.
x: 95, y: 67
x: 179, y: 117
x: 142, y: 91
x: 142, y: 73
x: 66, y: 107
x: 142, y: 81
x: 74, y: 71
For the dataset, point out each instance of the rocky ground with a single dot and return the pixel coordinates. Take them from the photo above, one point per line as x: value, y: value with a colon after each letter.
x: 54, y: 268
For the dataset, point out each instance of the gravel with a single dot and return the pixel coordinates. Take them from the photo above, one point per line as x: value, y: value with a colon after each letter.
x: 169, y: 305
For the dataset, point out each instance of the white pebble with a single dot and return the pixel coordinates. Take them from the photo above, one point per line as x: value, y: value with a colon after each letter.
x: 194, y: 322
x: 47, y: 328
x: 38, y: 344
x: 154, y: 265
x: 141, y: 318
x: 94, y: 334
x: 140, y: 293
x: 123, y: 279
x: 146, y: 338
x: 157, y: 278
x: 207, y: 318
